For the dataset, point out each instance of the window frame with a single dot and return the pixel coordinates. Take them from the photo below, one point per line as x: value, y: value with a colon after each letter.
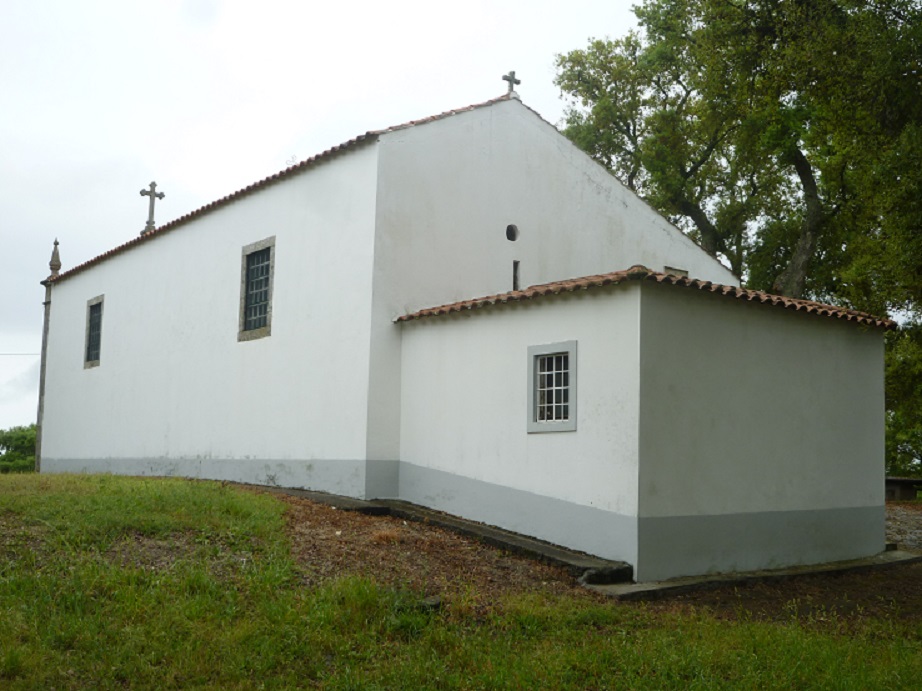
x: 534, y: 353
x: 90, y: 304
x: 244, y: 334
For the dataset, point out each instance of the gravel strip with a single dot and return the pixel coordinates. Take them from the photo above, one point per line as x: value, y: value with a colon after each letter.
x: 904, y: 525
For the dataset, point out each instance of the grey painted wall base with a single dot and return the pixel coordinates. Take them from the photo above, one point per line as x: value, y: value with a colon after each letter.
x: 382, y: 480
x: 345, y: 477
x: 602, y: 533
x: 694, y: 545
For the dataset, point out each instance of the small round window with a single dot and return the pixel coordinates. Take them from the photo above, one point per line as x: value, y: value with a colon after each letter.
x: 512, y: 233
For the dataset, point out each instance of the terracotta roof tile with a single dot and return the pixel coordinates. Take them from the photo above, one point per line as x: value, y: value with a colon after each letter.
x: 330, y: 153
x: 642, y: 273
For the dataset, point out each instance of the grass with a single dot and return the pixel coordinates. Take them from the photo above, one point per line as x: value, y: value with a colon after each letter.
x: 112, y: 582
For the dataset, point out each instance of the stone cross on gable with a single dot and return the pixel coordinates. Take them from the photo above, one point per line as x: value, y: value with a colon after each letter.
x: 512, y: 80
x: 154, y: 195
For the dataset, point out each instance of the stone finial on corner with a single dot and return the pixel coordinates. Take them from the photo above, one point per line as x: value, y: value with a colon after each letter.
x: 55, y: 263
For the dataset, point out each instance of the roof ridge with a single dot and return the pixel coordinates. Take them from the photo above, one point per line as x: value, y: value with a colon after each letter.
x: 639, y: 272
x: 367, y: 137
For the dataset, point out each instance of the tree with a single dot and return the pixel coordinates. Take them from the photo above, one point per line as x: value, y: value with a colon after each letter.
x: 786, y: 138
x: 17, y: 449
x: 766, y: 130
x: 904, y: 402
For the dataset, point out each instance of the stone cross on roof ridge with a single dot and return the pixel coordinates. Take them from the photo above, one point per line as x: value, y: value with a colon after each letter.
x: 154, y: 195
x: 512, y: 80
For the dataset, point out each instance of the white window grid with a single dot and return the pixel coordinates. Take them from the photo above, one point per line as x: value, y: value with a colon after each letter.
x: 552, y: 387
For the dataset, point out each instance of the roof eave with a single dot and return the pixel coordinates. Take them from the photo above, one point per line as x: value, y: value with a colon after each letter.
x: 642, y: 273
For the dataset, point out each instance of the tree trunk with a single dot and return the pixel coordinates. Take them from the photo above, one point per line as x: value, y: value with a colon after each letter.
x: 792, y: 280
x: 711, y: 241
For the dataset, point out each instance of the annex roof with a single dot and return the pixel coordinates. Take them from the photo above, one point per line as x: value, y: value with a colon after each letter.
x: 642, y: 273
x: 360, y: 140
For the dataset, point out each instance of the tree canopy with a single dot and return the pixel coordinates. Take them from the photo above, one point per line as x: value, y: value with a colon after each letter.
x: 17, y: 449
x: 786, y: 138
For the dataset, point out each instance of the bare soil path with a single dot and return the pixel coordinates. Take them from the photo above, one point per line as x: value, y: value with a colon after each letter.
x: 328, y: 542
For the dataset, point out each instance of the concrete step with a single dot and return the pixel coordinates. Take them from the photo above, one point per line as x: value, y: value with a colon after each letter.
x: 654, y: 590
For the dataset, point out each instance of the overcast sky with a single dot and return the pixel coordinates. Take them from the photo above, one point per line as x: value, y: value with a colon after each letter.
x: 99, y: 97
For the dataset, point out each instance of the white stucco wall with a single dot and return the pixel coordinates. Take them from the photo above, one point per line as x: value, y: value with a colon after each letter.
x: 767, y: 421
x: 447, y: 191
x: 175, y: 390
x: 465, y: 444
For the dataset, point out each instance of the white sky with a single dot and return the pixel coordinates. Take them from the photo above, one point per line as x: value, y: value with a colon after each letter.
x: 99, y: 97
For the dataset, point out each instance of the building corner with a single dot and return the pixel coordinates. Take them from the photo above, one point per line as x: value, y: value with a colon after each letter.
x: 55, y: 266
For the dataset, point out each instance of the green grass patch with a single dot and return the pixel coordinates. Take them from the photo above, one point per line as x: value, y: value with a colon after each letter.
x: 110, y: 582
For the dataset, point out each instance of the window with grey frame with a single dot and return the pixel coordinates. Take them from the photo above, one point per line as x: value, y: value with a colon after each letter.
x: 93, y: 342
x: 552, y: 387
x: 257, y: 269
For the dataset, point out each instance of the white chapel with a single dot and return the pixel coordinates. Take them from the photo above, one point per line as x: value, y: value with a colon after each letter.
x: 468, y: 313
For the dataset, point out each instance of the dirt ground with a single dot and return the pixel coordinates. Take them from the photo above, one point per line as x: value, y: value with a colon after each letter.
x: 328, y: 542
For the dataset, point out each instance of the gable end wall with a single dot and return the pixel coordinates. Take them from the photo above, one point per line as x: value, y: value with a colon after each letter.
x: 448, y: 189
